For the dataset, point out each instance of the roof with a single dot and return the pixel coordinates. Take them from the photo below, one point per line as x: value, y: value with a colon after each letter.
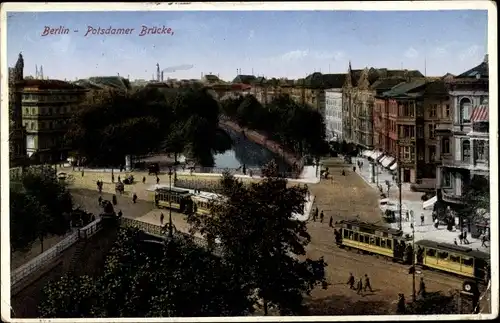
x: 375, y: 74
x: 453, y: 248
x: 480, y: 71
x: 246, y: 79
x: 50, y: 84
x: 386, y: 84
x: 404, y: 88
x: 372, y: 226
x: 157, y: 85
x: 327, y: 81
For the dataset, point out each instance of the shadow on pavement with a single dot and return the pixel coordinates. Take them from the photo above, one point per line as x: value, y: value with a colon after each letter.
x: 342, y: 305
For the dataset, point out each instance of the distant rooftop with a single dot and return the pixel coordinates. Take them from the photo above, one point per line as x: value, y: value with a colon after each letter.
x: 49, y: 84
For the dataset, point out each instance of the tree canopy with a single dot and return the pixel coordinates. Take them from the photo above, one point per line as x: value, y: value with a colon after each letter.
x: 110, y: 124
x: 298, y: 127
x: 262, y: 241
x: 476, y: 197
x: 39, y: 205
x: 149, y: 279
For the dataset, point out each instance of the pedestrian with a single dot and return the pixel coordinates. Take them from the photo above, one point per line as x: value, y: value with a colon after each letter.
x: 120, y: 214
x: 244, y: 169
x: 307, y: 191
x: 143, y: 179
x: 121, y: 168
x: 331, y: 222
x: 82, y: 172
x: 461, y: 237
x: 134, y: 198
x: 321, y: 217
x: 351, y: 281
x: 401, y: 308
x: 100, y: 200
x: 119, y: 180
x: 421, y: 290
x: 157, y: 180
x: 367, y: 283
x: 315, y: 215
x: 360, y: 286
x: 162, y: 217
x: 455, y: 241
x: 436, y: 223
x: 407, y: 216
x: 343, y: 172
x: 466, y: 241
x: 354, y: 169
x: 422, y: 219
x: 112, y: 178
x: 115, y: 201
x: 411, y: 226
x: 483, y: 241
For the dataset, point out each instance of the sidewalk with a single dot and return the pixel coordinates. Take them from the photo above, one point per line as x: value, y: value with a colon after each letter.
x: 411, y: 201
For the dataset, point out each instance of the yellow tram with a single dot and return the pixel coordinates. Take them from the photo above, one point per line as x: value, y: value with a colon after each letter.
x: 175, y: 198
x: 392, y: 243
x: 203, y: 202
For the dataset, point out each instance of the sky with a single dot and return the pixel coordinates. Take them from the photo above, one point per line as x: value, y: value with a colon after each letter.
x: 288, y: 44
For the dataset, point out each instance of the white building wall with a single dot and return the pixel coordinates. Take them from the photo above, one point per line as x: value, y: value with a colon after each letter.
x: 333, y: 114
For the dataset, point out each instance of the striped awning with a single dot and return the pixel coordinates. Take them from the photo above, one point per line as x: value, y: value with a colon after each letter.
x: 367, y: 153
x: 386, y: 162
x: 480, y: 113
x: 381, y: 160
x: 376, y: 155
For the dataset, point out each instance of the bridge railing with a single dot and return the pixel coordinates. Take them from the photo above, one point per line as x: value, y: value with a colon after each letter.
x: 41, y: 260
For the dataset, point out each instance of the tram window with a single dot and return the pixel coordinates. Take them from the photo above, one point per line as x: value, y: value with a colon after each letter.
x: 467, y: 261
x: 346, y: 233
x: 455, y: 258
x: 356, y: 236
x: 443, y: 255
x: 362, y: 238
x: 383, y: 243
x: 372, y: 240
x: 389, y: 244
x: 377, y: 241
x: 430, y: 253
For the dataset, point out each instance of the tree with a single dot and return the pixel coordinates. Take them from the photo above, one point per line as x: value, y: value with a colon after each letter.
x: 260, y: 239
x: 40, y: 205
x: 145, y: 278
x: 476, y: 200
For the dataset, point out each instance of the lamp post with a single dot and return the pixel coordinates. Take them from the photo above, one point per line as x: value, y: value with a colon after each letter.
x: 413, y: 253
x: 170, y: 233
x: 400, y: 188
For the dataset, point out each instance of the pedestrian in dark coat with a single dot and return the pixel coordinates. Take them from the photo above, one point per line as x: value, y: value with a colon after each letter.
x: 421, y: 290
x: 315, y: 215
x: 360, y: 286
x: 466, y: 241
x: 461, y: 237
x: 162, y: 217
x: 483, y: 241
x: 115, y: 201
x: 100, y: 200
x: 157, y: 180
x: 321, y: 217
x: 331, y: 222
x: 351, y: 281
x: 143, y: 179
x: 134, y: 198
x: 367, y: 283
x: 354, y: 169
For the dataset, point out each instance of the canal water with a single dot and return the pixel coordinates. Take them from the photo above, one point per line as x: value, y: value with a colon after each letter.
x: 246, y: 152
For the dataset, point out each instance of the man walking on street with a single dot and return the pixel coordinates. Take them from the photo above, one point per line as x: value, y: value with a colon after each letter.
x: 483, y: 241
x: 157, y: 180
x: 162, y: 217
x: 422, y: 219
x: 351, y: 281
x: 421, y: 290
x: 100, y: 200
x: 367, y: 283
x: 321, y: 217
x: 331, y: 222
x: 134, y: 198
x: 461, y: 237
x: 466, y: 241
x: 315, y: 215
x: 360, y: 286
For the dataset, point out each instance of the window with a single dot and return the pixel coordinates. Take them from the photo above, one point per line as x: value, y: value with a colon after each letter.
x: 433, y: 111
x: 33, y: 111
x: 32, y: 125
x: 454, y: 258
x: 27, y: 111
x: 430, y: 253
x: 481, y: 150
x: 465, y: 108
x: 389, y: 244
x: 447, y: 179
x: 466, y: 261
x: 406, y: 153
x: 484, y: 100
x: 443, y: 255
x: 420, y: 132
x: 42, y: 125
x: 466, y: 150
x: 432, y: 131
x: 447, y: 111
x: 432, y: 153
x: 445, y: 146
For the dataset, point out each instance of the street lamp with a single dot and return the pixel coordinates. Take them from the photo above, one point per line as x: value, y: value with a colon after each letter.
x: 400, y: 188
x: 413, y: 253
x: 170, y: 233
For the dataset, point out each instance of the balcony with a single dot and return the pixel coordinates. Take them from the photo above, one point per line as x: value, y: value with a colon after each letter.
x: 478, y: 166
x: 443, y: 128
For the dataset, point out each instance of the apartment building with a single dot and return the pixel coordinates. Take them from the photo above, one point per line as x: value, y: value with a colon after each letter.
x: 47, y: 106
x: 463, y: 144
x: 333, y: 114
x: 359, y: 92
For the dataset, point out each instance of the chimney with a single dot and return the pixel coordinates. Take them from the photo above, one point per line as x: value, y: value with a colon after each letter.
x: 485, y: 59
x: 162, y: 76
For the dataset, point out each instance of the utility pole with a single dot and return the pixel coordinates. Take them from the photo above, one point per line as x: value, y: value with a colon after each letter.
x: 413, y: 253
x: 400, y: 186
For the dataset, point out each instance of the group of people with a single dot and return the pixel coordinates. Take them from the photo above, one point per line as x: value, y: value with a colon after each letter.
x: 359, y: 285
x: 321, y: 216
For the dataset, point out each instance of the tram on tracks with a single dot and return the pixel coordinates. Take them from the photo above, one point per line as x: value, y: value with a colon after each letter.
x: 393, y: 244
x: 175, y: 198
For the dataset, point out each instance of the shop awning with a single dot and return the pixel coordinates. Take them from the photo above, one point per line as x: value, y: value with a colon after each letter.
x: 376, y: 154
x: 367, y: 153
x: 381, y: 160
x: 430, y: 203
x: 387, y: 161
x: 394, y: 166
x: 480, y: 113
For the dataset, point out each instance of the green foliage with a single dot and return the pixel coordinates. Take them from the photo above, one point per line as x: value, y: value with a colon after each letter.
x: 260, y: 239
x: 476, y: 197
x: 40, y: 205
x: 111, y: 124
x: 297, y: 127
x: 150, y: 279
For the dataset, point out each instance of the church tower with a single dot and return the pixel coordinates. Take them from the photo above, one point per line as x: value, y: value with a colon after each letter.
x: 17, y: 132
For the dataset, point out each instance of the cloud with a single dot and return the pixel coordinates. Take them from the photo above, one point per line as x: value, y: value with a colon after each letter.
x: 469, y: 53
x: 251, y: 34
x: 318, y: 55
x: 411, y: 53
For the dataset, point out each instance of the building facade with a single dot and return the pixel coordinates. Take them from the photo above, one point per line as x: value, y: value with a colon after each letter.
x: 47, y: 106
x: 359, y: 92
x: 17, y: 132
x: 463, y: 144
x: 333, y: 114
